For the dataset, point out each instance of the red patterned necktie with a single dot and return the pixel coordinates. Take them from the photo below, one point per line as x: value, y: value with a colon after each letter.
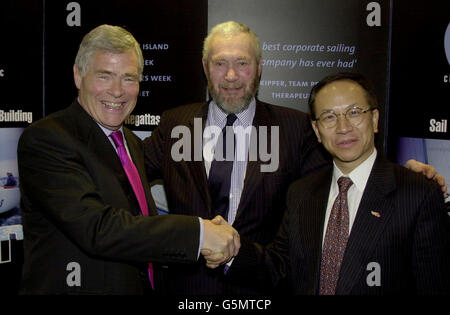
x: 335, y: 240
x: 135, y: 181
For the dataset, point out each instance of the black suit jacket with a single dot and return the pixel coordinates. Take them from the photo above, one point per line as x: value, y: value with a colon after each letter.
x: 409, y: 240
x: 79, y: 207
x: 262, y: 202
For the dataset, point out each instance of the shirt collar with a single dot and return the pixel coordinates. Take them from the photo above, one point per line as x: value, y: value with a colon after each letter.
x: 360, y: 174
x: 217, y: 117
x: 109, y: 132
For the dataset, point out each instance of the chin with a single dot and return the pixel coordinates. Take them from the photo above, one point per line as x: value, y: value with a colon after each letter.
x: 234, y: 109
x: 347, y: 157
x: 235, y: 106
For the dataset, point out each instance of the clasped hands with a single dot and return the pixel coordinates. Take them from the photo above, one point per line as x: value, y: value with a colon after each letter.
x: 221, y: 242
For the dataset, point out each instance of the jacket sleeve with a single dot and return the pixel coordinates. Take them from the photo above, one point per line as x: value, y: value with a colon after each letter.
x: 264, y: 266
x: 60, y: 193
x: 431, y: 245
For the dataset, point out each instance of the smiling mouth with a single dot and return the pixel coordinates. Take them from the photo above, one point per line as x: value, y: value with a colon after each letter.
x: 231, y: 86
x: 346, y: 143
x: 232, y: 91
x: 112, y: 105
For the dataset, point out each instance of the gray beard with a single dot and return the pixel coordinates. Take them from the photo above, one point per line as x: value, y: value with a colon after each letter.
x: 237, y: 106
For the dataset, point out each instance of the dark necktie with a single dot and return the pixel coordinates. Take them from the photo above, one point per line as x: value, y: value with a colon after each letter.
x: 135, y: 181
x: 335, y: 240
x: 219, y: 179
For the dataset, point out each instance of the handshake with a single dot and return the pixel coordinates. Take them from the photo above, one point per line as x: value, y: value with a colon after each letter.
x: 221, y: 242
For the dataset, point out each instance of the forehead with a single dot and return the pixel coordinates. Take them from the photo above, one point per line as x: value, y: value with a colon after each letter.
x: 239, y: 45
x: 339, y: 95
x: 102, y: 59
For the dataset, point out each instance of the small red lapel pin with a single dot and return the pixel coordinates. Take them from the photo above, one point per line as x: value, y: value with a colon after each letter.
x: 376, y: 214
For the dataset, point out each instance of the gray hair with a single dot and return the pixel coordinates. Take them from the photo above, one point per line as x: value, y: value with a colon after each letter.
x: 109, y: 38
x: 230, y: 29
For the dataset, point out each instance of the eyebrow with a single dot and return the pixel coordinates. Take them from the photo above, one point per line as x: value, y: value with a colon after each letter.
x: 224, y: 58
x: 131, y: 75
x: 346, y: 108
x: 103, y: 71
x: 128, y: 74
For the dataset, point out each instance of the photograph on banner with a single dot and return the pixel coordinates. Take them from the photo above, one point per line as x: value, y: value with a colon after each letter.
x: 10, y: 214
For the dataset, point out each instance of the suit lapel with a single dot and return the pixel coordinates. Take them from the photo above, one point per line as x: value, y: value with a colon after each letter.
x: 138, y: 159
x: 253, y: 175
x: 373, y: 214
x: 311, y: 225
x: 196, y: 165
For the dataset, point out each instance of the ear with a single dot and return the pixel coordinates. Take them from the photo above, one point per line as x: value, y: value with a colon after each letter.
x: 316, y: 130
x: 259, y: 67
x: 375, y: 118
x: 77, y: 77
x: 205, y: 67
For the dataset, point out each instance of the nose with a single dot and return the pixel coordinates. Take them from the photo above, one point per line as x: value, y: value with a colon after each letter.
x: 116, y: 89
x: 343, y: 125
x: 231, y: 74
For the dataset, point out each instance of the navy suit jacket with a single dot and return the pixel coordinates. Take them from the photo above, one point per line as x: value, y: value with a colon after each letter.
x: 409, y: 240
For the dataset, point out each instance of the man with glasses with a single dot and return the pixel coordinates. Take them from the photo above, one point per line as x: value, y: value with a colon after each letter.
x: 361, y: 226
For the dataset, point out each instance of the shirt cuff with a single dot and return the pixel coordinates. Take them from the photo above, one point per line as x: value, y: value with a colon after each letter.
x: 227, y: 266
x: 200, y: 243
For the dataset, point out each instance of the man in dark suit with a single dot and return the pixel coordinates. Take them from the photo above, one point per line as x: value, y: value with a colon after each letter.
x: 90, y: 224
x: 361, y: 226
x: 233, y: 68
x: 232, y: 64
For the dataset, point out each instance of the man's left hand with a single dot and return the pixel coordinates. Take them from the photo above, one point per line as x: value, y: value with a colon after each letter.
x: 429, y: 171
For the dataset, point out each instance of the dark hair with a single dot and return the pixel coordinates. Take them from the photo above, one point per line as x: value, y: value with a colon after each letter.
x: 350, y: 76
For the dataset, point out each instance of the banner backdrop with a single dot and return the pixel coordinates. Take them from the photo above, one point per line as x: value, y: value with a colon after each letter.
x: 170, y: 33
x: 21, y: 103
x: 420, y: 84
x: 302, y: 41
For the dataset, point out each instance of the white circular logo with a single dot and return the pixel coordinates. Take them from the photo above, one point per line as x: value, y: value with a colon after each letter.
x: 447, y: 43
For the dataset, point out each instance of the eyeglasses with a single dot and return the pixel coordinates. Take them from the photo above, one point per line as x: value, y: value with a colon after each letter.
x: 354, y: 116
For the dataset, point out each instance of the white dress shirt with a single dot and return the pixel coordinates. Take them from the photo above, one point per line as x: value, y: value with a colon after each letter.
x: 359, y: 177
x: 217, y: 117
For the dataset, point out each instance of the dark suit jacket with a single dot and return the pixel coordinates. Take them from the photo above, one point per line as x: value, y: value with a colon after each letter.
x: 78, y: 206
x: 262, y: 203
x: 409, y: 240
